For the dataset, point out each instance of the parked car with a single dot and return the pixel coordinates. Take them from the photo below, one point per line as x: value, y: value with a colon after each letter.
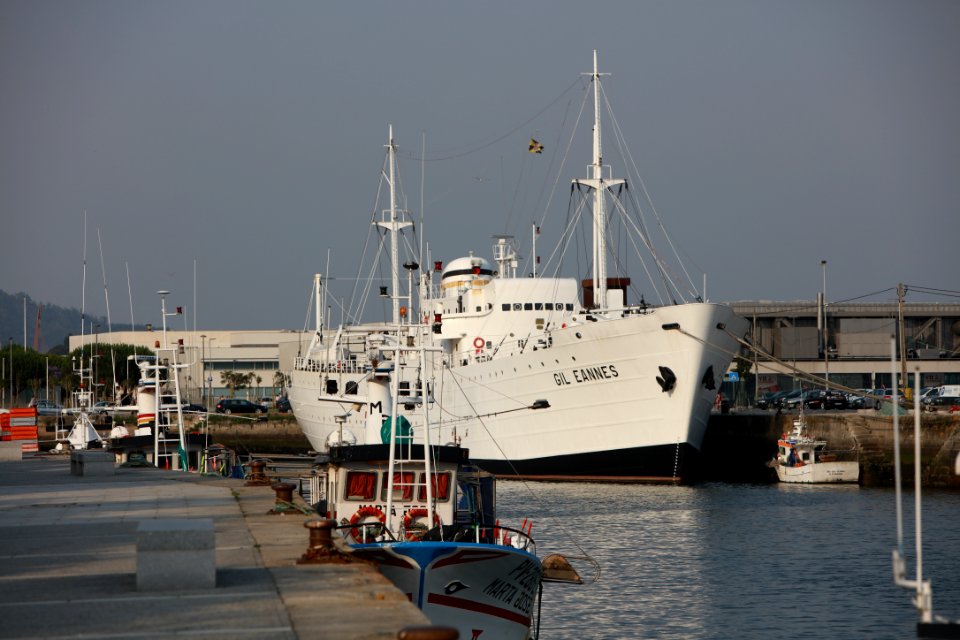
x: 796, y: 398
x: 193, y: 407
x: 283, y: 404
x: 942, y: 403
x: 48, y: 408
x: 265, y: 402
x: 789, y: 400
x: 100, y: 407
x: 238, y: 405
x: 770, y: 400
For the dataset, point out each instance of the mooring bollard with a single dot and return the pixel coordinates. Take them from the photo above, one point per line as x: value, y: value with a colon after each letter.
x: 284, y: 501
x: 428, y: 633
x: 257, y: 477
x: 321, y: 549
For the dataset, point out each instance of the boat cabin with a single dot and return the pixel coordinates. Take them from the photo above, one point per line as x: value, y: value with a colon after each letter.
x: 351, y: 486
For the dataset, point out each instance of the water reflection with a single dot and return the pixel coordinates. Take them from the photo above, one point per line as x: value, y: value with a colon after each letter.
x: 733, y: 561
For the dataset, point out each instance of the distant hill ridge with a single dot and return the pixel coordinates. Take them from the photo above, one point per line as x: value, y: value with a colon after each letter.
x: 56, y: 323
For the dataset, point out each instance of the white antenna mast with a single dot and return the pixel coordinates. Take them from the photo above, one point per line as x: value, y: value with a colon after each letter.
x: 599, y: 185
x: 394, y: 226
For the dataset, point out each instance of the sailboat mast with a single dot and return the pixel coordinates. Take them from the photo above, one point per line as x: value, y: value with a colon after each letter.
x: 394, y: 249
x: 599, y: 215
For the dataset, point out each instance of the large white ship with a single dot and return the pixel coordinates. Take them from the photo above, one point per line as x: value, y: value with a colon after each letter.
x: 533, y: 380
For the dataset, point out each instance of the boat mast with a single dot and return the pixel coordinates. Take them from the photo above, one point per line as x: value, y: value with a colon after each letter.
x: 599, y: 185
x: 394, y: 226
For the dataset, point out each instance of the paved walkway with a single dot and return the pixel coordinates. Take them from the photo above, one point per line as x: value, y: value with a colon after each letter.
x: 68, y: 563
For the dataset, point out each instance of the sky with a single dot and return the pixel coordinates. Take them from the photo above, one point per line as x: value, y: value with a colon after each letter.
x: 238, y: 144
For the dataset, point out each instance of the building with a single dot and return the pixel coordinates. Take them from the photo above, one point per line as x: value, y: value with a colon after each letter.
x: 211, y: 353
x: 857, y: 341
x: 857, y: 352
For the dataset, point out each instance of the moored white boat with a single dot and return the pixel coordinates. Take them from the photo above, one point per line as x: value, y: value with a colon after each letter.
x: 427, y: 518
x: 803, y: 459
x: 629, y: 386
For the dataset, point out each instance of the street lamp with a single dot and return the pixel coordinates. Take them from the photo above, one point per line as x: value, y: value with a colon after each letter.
x: 12, y: 401
x: 203, y: 368
x: 210, y: 375
x: 826, y: 340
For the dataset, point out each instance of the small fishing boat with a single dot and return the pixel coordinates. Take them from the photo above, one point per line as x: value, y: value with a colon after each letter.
x: 427, y: 518
x: 802, y: 459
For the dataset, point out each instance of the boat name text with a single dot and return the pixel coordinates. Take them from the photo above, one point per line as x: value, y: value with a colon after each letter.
x: 586, y: 374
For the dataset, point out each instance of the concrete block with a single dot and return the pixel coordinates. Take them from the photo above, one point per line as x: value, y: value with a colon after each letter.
x: 90, y: 462
x: 11, y: 451
x: 176, y: 555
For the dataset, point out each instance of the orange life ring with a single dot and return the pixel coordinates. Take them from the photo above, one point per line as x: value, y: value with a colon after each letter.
x: 410, y: 516
x: 365, y: 512
x: 479, y: 343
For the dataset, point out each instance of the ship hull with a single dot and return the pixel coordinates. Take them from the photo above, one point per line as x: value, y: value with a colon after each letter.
x: 608, y: 416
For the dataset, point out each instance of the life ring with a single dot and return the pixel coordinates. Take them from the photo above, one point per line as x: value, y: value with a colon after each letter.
x: 365, y: 512
x: 479, y: 343
x: 410, y: 517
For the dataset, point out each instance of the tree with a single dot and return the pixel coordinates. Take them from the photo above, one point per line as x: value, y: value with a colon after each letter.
x: 280, y: 380
x: 234, y: 380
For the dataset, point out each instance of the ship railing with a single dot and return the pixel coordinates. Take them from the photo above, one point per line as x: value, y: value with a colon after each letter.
x: 365, y: 532
x: 339, y: 366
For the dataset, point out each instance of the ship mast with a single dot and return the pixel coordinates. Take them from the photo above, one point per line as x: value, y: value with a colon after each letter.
x: 394, y: 225
x: 599, y: 185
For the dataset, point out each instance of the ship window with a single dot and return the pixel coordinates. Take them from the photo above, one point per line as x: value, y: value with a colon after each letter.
x: 440, y: 489
x: 569, y: 306
x: 402, y: 486
x: 331, y: 386
x: 538, y: 306
x: 479, y: 309
x: 528, y: 306
x: 505, y: 307
x: 517, y: 306
x: 351, y: 387
x: 361, y: 485
x: 549, y: 306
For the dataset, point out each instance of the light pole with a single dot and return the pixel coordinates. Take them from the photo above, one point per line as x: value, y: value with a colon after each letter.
x: 12, y: 400
x: 210, y: 375
x: 203, y: 368
x: 826, y: 340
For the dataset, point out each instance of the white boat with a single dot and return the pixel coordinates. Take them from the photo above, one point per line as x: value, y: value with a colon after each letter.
x: 427, y: 519
x: 806, y: 460
x: 629, y: 386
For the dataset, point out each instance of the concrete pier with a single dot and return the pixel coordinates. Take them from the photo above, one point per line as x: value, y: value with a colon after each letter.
x: 68, y: 552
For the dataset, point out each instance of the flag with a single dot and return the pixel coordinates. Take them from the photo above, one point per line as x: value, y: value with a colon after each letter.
x: 535, y: 147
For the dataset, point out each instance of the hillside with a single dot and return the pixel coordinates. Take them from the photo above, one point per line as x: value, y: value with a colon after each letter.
x: 56, y: 322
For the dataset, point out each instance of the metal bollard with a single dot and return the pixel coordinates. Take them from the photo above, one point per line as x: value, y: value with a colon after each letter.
x: 321, y: 549
x: 257, y: 477
x: 428, y: 633
x: 284, y: 501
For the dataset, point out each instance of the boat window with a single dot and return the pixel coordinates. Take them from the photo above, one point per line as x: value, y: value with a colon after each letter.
x: 538, y: 306
x: 402, y: 486
x: 505, y: 307
x: 528, y: 306
x: 331, y: 386
x: 361, y: 485
x: 517, y: 306
x: 569, y: 306
x: 351, y: 387
x: 440, y: 489
x: 549, y: 306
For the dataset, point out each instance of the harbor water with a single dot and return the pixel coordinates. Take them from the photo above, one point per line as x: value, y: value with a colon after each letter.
x: 736, y: 560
